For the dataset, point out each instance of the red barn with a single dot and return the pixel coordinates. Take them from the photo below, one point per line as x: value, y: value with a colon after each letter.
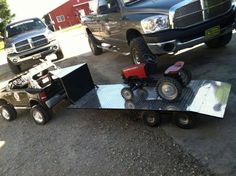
x: 68, y: 14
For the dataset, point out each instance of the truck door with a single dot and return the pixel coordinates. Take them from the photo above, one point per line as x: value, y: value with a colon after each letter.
x: 111, y: 23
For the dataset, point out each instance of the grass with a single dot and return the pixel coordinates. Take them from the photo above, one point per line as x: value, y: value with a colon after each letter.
x: 71, y: 28
x: 1, y: 45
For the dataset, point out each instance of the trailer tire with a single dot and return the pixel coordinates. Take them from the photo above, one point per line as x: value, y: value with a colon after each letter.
x: 151, y: 119
x: 184, y: 120
x: 185, y: 77
x: 171, y: 86
x: 127, y: 93
x: 40, y: 115
x: 93, y: 43
x: 220, y: 41
x: 139, y: 50
x: 8, y: 112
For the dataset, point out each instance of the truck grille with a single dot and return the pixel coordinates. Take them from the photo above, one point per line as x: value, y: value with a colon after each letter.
x: 200, y: 11
x: 31, y: 43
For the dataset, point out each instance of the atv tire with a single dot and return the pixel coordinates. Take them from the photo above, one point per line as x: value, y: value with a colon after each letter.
x: 40, y: 115
x: 219, y: 42
x: 8, y: 112
x: 139, y: 51
x: 93, y: 43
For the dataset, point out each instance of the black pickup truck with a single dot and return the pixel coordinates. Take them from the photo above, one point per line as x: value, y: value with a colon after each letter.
x: 144, y: 27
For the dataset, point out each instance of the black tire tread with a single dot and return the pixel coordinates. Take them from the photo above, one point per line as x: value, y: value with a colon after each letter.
x: 220, y: 41
x: 46, y: 114
x: 94, y: 42
x: 14, y: 68
x: 11, y: 110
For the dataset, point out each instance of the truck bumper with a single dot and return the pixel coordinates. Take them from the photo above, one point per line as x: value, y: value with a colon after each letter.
x: 35, y: 54
x: 174, y: 40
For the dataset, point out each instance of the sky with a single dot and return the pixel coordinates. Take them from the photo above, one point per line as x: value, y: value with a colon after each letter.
x: 32, y: 8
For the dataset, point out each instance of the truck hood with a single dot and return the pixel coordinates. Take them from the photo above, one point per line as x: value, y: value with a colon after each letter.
x: 25, y: 36
x: 153, y: 6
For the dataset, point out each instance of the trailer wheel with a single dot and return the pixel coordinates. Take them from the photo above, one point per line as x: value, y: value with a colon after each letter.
x: 184, y: 120
x: 151, y: 119
x: 127, y: 93
x: 169, y: 89
x: 185, y: 77
x: 8, y: 112
x: 40, y: 115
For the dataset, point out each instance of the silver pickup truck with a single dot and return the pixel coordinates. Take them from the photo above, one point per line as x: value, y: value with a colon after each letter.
x: 29, y: 39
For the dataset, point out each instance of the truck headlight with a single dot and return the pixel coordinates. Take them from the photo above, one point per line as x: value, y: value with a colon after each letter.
x: 155, y: 23
x: 10, y: 50
x: 51, y: 37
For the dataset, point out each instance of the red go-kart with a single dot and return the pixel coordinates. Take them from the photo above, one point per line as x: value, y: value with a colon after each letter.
x: 168, y: 85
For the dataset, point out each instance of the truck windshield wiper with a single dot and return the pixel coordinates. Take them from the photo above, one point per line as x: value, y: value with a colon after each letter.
x: 131, y: 2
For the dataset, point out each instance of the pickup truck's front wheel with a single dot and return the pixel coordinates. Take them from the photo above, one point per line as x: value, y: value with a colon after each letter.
x: 59, y: 54
x: 93, y: 43
x: 220, y: 41
x: 139, y: 50
x: 14, y: 68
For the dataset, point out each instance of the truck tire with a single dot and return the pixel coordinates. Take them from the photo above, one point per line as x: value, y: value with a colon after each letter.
x: 40, y: 115
x: 14, y: 68
x: 139, y: 50
x: 93, y: 43
x: 184, y: 120
x: 8, y: 112
x: 59, y: 54
x: 220, y: 41
x: 169, y: 89
x: 151, y: 119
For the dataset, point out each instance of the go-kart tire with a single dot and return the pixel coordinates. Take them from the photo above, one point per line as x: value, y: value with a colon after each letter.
x: 167, y: 84
x: 184, y: 120
x: 59, y: 54
x: 185, y: 77
x: 219, y: 42
x: 8, y: 112
x: 151, y: 118
x: 139, y: 51
x: 127, y: 93
x: 93, y: 43
x: 14, y: 68
x: 40, y: 115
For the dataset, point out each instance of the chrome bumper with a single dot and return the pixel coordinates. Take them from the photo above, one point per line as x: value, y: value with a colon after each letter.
x: 174, y: 46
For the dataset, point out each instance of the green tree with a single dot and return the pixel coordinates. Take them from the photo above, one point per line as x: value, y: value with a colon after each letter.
x: 5, y: 15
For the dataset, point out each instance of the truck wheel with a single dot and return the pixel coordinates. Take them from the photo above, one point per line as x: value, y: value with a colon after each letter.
x: 93, y: 43
x: 169, y: 89
x: 139, y: 49
x: 14, y: 68
x: 184, y: 120
x: 220, y: 41
x: 40, y: 115
x: 8, y: 112
x: 127, y: 93
x: 59, y: 54
x: 151, y: 119
x: 185, y: 77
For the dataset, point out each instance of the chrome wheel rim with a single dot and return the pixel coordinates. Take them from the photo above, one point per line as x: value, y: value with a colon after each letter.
x: 127, y: 94
x: 151, y: 119
x: 38, y: 116
x: 169, y: 91
x: 184, y: 120
x: 6, y: 114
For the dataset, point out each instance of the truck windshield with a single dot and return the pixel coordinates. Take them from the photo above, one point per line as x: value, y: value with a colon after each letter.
x: 24, y: 26
x: 130, y: 2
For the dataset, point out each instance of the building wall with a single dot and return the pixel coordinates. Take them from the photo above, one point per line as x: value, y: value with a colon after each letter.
x: 68, y: 13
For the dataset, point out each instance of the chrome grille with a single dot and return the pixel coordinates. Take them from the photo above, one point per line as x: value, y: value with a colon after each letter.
x: 199, y: 11
x: 31, y: 43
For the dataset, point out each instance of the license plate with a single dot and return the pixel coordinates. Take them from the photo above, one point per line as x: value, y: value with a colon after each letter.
x: 36, y: 56
x: 212, y: 32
